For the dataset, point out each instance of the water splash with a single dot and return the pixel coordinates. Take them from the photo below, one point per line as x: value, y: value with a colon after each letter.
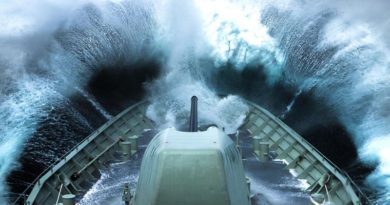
x: 43, y: 56
x: 305, y: 45
x: 290, y: 105
x: 234, y: 32
x: 94, y: 103
x: 345, y: 66
x: 183, y: 28
x: 21, y: 112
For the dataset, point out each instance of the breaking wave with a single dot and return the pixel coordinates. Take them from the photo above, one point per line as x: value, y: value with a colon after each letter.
x: 51, y: 55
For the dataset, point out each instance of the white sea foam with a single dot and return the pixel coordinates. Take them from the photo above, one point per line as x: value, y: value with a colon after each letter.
x: 293, y: 45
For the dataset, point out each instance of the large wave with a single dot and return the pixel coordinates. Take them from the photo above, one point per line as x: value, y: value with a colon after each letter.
x: 51, y: 51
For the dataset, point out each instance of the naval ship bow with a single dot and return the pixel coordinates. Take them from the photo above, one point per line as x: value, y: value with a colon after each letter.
x: 255, y: 166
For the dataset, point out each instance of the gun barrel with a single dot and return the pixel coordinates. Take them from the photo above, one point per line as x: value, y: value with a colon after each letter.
x: 194, y: 114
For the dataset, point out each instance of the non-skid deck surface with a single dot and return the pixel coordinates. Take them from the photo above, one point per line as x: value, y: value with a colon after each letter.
x: 270, y: 182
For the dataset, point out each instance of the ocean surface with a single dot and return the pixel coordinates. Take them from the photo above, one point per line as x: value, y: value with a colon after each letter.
x: 66, y: 68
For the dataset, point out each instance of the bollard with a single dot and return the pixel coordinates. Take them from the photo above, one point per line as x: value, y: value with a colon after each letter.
x: 248, y: 182
x: 317, y: 198
x: 263, y: 151
x: 261, y: 148
x: 126, y: 197
x: 68, y: 199
x: 256, y: 145
x: 126, y: 149
x: 134, y: 143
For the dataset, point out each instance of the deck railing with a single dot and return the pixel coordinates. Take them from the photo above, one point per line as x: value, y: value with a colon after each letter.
x: 23, y: 196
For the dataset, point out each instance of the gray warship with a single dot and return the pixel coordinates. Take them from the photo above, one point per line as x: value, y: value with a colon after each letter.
x: 265, y: 162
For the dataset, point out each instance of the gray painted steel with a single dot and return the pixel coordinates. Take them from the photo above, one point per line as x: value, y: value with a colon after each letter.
x: 307, y: 162
x: 79, y: 168
x: 192, y: 168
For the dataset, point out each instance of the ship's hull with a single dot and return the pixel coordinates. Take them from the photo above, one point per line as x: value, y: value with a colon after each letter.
x: 76, y: 172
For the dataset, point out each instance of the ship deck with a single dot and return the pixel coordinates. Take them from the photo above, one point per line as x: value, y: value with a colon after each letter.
x: 271, y: 183
x: 92, y: 164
